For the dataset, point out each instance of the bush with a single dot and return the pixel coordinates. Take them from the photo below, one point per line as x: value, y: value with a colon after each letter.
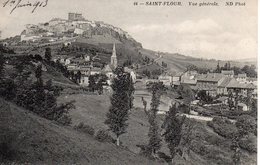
x: 103, y: 136
x: 184, y: 109
x: 247, y: 124
x: 7, y: 89
x: 85, y: 128
x: 64, y: 120
x: 249, y: 143
x: 200, y: 147
x: 223, y: 127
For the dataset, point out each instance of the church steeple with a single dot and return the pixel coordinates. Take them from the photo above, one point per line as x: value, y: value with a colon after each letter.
x: 114, y: 58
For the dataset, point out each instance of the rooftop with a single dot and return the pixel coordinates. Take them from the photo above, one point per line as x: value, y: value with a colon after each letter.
x: 227, y: 72
x: 225, y: 82
x: 235, y: 84
x: 210, y: 77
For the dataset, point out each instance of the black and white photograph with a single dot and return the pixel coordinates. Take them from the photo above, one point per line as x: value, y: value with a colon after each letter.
x: 128, y: 82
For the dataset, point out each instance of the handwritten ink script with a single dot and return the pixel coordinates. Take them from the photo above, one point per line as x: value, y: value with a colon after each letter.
x: 33, y: 5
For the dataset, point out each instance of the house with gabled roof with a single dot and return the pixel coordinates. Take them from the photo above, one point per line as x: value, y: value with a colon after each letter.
x: 189, y: 78
x: 228, y: 73
x: 222, y: 87
x: 239, y: 88
x: 241, y: 77
x: 209, y: 82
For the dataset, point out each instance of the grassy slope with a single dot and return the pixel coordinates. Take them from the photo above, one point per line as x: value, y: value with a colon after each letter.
x: 177, y: 62
x: 52, y: 74
x: 37, y: 141
x: 92, y: 109
x: 125, y: 49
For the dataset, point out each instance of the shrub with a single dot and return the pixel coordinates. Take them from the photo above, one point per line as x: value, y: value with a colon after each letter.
x: 184, y: 109
x: 103, y: 136
x: 7, y: 89
x: 61, y: 113
x: 247, y: 124
x: 199, y: 147
x: 64, y: 120
x: 223, y: 127
x: 249, y: 143
x: 85, y: 128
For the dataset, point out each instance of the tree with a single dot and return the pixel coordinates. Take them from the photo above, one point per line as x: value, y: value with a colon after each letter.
x: 236, y: 149
x: 78, y: 77
x: 48, y: 54
x: 39, y: 97
x: 218, y: 69
x: 38, y: 72
x: 249, y: 70
x: 186, y: 134
x: 173, y: 129
x: 131, y: 91
x: 187, y: 94
x: 92, y: 83
x: 100, y: 86
x: 205, y: 97
x: 154, y: 137
x: 117, y: 115
x: 2, y: 64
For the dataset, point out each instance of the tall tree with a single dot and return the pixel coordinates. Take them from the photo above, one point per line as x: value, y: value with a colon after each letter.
x: 154, y: 134
x: 117, y: 115
x: 131, y: 91
x: 2, y: 63
x: 48, y: 54
x: 39, y: 96
x: 218, y: 69
x: 173, y: 128
x: 38, y: 72
x: 92, y: 83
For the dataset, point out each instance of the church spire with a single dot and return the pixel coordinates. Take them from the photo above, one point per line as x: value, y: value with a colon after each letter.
x: 113, y: 57
x: 114, y: 50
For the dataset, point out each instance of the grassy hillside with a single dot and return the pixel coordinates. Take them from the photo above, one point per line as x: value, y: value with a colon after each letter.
x: 177, y: 62
x: 207, y: 146
x: 26, y: 138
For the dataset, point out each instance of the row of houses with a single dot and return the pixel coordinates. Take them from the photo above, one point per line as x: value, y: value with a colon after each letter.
x: 213, y: 83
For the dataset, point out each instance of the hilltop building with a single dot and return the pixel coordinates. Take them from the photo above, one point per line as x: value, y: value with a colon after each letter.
x: 75, y: 17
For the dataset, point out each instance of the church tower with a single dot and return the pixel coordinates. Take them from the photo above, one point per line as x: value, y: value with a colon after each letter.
x: 113, y: 58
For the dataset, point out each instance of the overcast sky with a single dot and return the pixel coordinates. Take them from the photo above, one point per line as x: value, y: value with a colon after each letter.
x: 209, y: 32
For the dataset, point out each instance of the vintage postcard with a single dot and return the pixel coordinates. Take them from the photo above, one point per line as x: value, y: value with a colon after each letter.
x: 128, y: 82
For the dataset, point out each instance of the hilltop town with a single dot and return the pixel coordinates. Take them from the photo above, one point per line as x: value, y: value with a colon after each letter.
x: 75, y: 86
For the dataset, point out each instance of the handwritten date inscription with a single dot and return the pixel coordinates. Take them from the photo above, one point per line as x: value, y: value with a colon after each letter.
x: 32, y: 4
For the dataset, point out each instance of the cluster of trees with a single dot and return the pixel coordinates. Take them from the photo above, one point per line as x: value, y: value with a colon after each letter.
x: 36, y: 96
x: 128, y: 62
x: 72, y: 48
x: 174, y: 134
x: 164, y: 64
x: 57, y: 65
x: 147, y: 60
x: 121, y: 103
x: 154, y: 74
x: 6, y: 50
x: 96, y: 82
x: 204, y: 97
x: 198, y: 69
x: 119, y: 112
x: 248, y: 70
